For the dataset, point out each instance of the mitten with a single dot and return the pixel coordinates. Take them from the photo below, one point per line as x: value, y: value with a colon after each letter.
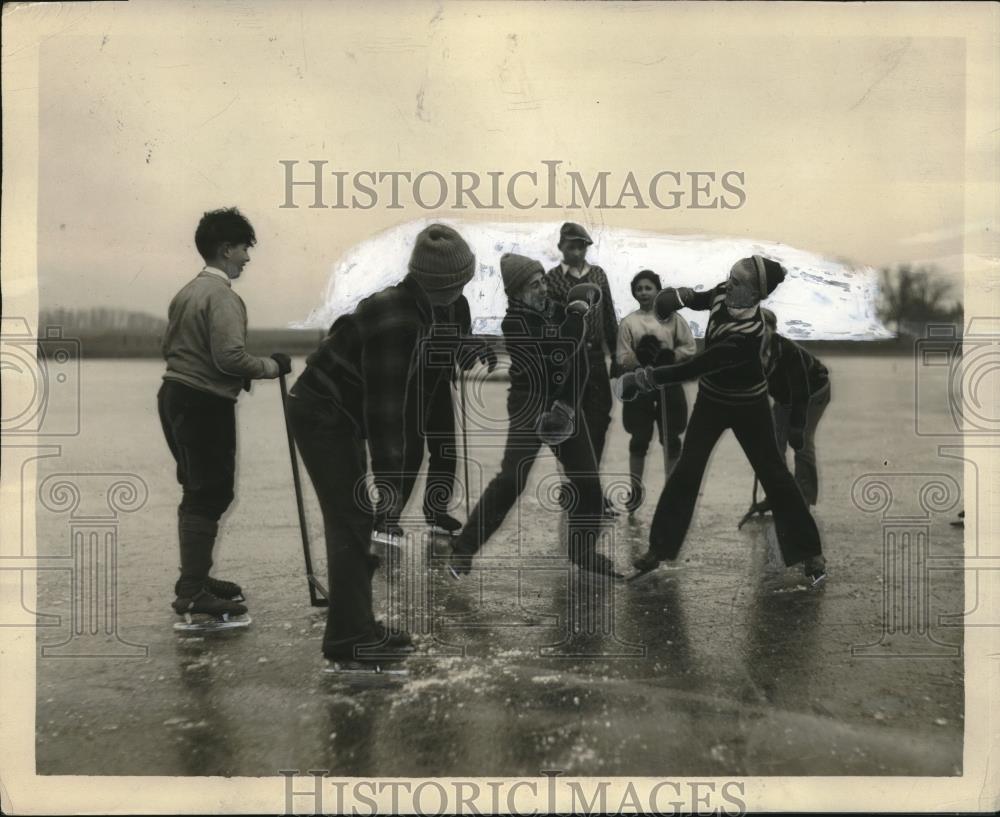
x: 647, y: 349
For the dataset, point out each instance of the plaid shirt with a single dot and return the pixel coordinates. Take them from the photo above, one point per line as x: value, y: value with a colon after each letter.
x: 368, y: 366
x: 601, y: 325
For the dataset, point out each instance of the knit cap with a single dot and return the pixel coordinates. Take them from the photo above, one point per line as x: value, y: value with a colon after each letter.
x: 516, y: 270
x: 441, y: 259
x: 761, y: 274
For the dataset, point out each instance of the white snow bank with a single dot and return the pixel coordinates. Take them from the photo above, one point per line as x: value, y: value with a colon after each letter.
x: 821, y: 299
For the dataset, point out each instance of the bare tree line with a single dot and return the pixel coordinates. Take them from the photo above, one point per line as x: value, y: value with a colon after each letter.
x: 913, y: 296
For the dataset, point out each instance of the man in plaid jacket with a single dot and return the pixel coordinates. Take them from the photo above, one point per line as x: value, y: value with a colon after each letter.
x: 356, y: 388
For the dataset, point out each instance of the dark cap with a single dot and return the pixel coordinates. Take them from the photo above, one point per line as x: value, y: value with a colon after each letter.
x: 571, y: 231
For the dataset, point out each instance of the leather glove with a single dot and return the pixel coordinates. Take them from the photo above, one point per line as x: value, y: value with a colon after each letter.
x: 284, y: 362
x: 667, y: 303
x: 555, y: 425
x: 796, y: 438
x: 633, y: 384
x: 581, y: 298
x: 647, y: 349
x: 591, y: 293
x: 684, y: 295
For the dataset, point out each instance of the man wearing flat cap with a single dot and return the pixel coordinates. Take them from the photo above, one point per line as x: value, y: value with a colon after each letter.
x: 601, y: 329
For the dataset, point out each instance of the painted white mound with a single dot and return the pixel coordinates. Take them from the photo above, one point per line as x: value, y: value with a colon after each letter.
x: 820, y: 300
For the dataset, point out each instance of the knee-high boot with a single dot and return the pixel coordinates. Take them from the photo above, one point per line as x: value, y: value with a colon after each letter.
x: 197, y: 538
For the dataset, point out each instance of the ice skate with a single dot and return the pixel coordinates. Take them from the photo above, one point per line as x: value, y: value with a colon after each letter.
x: 222, y: 589
x: 374, y: 657
x: 205, y: 612
x: 459, y: 564
x: 599, y: 565
x: 814, y: 569
x: 353, y: 667
x: 397, y: 641
x: 443, y: 524
x: 388, y: 533
x: 646, y: 563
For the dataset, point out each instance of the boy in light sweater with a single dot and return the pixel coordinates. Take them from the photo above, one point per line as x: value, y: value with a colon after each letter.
x: 207, y: 366
x: 646, y: 340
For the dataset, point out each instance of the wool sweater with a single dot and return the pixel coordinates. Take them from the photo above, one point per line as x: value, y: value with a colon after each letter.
x: 205, y: 341
x: 673, y: 333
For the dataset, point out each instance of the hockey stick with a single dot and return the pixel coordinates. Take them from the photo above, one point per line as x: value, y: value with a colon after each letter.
x: 465, y: 444
x: 318, y: 595
x: 663, y: 432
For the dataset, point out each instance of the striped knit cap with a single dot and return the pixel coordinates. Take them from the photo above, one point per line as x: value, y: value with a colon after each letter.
x: 441, y: 259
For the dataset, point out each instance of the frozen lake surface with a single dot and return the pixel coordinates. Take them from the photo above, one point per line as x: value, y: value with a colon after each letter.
x: 722, y: 666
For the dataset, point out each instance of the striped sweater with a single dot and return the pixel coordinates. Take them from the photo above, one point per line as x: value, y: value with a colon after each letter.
x: 731, y: 367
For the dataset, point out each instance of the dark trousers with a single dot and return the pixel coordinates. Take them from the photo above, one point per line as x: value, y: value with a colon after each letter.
x: 521, y: 451
x: 201, y: 432
x: 797, y: 534
x: 640, y: 415
x: 806, y: 474
x: 337, y: 463
x: 595, y: 401
x: 200, y: 429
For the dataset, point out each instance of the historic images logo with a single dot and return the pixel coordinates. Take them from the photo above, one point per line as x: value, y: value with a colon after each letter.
x: 320, y: 187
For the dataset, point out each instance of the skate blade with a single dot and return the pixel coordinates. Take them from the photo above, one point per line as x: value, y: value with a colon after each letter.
x: 595, y: 575
x: 364, y: 669
x: 638, y: 574
x: 437, y: 530
x: 203, y: 623
x: 454, y: 574
x: 817, y: 581
x: 387, y: 539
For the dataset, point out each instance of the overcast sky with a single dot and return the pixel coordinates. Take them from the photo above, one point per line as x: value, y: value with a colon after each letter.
x: 852, y: 146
